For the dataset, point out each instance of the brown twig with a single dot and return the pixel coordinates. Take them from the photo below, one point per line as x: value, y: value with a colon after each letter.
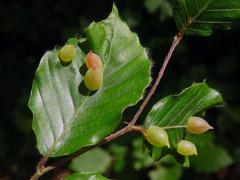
x: 79, y: 152
x: 42, y: 170
x: 42, y: 162
x: 175, y: 42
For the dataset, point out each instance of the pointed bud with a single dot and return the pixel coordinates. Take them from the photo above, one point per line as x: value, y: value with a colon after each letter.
x: 93, y: 78
x: 186, y: 148
x: 93, y: 59
x: 157, y: 136
x: 67, y: 53
x: 197, y: 125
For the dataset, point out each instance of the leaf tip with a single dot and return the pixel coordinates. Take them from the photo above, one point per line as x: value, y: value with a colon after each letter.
x: 114, y: 9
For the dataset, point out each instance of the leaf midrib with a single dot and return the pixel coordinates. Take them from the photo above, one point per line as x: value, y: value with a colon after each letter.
x: 65, y: 129
x: 192, y: 20
x: 172, y: 108
x: 201, y: 10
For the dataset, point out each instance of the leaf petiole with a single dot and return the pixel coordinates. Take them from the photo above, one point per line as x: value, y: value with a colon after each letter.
x: 140, y: 129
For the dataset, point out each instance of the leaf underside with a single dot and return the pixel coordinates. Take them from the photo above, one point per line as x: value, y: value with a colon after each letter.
x: 65, y: 120
x: 86, y: 162
x: 201, y: 17
x: 86, y: 176
x: 211, y: 157
x: 175, y: 110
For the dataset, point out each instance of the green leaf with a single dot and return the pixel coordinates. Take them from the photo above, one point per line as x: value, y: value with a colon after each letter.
x: 141, y: 159
x: 175, y: 110
x: 166, y: 169
x: 119, y: 153
x: 87, y: 162
x: 164, y: 6
x: 86, y: 176
x: 166, y: 173
x: 64, y: 120
x: 152, y: 5
x: 211, y: 158
x: 201, y: 17
x: 73, y: 41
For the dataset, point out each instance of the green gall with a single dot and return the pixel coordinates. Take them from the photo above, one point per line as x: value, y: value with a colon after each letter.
x: 186, y: 148
x: 67, y: 53
x: 93, y: 78
x: 197, y: 125
x: 157, y: 136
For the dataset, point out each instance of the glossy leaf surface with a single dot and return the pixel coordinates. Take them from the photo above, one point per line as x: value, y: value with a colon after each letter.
x: 175, y: 110
x: 64, y: 120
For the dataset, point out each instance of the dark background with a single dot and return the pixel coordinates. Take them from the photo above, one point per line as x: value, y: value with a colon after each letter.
x: 29, y: 28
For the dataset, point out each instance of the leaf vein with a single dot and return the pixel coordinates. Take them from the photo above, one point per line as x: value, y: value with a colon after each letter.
x: 185, y: 107
x: 55, y: 93
x: 45, y: 107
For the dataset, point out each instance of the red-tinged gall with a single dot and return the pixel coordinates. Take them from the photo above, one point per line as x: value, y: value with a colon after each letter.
x: 197, y: 125
x: 93, y: 60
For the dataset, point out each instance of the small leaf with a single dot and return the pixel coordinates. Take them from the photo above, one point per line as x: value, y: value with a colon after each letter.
x: 64, y: 120
x: 140, y: 159
x: 211, y: 158
x: 86, y: 176
x: 166, y: 173
x: 87, y: 162
x: 201, y: 17
x: 175, y: 110
x: 73, y: 41
x: 119, y: 153
x: 164, y: 6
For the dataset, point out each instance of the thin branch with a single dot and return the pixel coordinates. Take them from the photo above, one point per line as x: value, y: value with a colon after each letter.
x: 122, y: 131
x: 42, y: 162
x: 40, y: 167
x: 81, y: 151
x: 175, y: 42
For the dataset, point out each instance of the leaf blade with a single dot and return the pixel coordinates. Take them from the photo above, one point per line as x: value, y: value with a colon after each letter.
x: 202, y: 17
x: 211, y: 157
x: 176, y: 109
x: 86, y: 176
x: 65, y: 120
x: 86, y: 161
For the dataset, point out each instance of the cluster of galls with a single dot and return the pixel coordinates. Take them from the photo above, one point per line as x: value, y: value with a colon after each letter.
x: 155, y: 135
x: 158, y: 137
x: 94, y: 76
